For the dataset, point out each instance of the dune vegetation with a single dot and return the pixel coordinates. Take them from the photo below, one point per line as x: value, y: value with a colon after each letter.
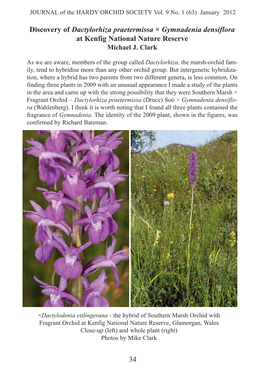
x: 180, y: 260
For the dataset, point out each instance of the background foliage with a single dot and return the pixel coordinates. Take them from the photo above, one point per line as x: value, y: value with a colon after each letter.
x: 141, y: 139
x: 159, y: 234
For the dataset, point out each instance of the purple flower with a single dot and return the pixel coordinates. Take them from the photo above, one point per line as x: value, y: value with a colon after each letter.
x: 112, y: 143
x: 108, y: 207
x: 100, y: 149
x: 100, y: 224
x: 72, y: 185
x: 96, y: 224
x: 68, y: 266
x: 39, y: 216
x: 56, y: 142
x: 166, y: 203
x: 95, y: 156
x: 56, y: 211
x: 56, y: 294
x: 71, y: 135
x: 193, y: 167
x: 109, y: 179
x: 50, y: 174
x: 108, y: 260
x: 78, y: 156
x: 91, y: 294
x: 94, y: 193
x: 44, y: 251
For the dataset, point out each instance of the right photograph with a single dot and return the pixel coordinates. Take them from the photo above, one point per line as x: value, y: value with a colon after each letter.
x: 184, y: 218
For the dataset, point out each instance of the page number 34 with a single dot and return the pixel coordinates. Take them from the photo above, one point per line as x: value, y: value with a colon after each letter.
x: 132, y: 358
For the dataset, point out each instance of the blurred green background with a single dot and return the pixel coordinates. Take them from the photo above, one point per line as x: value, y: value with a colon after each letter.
x: 32, y: 296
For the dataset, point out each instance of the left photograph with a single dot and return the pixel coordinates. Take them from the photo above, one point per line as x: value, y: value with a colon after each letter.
x: 76, y: 218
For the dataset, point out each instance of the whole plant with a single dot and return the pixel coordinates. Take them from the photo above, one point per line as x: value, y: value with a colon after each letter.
x: 193, y: 177
x: 88, y: 168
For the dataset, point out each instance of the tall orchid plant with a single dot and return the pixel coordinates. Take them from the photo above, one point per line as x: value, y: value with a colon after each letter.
x: 78, y: 157
x: 193, y: 177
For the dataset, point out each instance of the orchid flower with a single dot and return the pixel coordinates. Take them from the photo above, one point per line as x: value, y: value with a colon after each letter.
x: 108, y: 260
x: 56, y: 294
x: 80, y: 157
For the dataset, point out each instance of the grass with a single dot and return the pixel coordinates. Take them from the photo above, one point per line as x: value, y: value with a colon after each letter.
x: 160, y: 234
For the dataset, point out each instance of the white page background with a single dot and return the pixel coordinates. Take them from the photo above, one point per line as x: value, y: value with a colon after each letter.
x: 236, y: 344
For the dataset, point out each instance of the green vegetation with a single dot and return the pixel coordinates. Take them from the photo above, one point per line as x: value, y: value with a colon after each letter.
x: 32, y: 296
x: 161, y: 275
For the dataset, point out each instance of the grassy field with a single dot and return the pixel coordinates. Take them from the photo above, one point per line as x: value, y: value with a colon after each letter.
x: 161, y: 233
x: 32, y: 296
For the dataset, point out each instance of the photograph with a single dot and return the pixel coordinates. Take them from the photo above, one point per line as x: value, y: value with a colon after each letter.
x: 183, y: 219
x: 76, y: 218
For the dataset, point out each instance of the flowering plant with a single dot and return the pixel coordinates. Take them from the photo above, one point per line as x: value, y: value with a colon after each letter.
x: 193, y: 177
x: 193, y: 167
x: 86, y: 169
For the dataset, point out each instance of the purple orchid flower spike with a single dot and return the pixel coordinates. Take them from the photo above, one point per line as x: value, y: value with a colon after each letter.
x: 193, y: 167
x: 92, y: 293
x: 68, y: 266
x: 79, y: 156
x: 56, y: 294
x: 108, y: 260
